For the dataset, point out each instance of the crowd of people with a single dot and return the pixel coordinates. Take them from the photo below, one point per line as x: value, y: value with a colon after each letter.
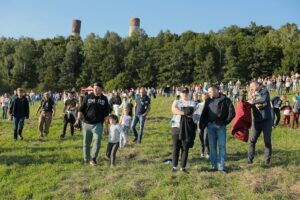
x: 206, y: 109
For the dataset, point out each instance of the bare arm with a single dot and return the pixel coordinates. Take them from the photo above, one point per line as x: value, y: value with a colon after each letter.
x: 176, y: 110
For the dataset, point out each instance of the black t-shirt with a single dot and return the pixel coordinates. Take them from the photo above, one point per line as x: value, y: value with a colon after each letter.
x: 94, y: 108
x: 142, y: 104
x: 130, y: 107
x: 47, y: 105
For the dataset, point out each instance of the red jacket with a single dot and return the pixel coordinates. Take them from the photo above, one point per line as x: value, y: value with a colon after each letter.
x: 242, y: 121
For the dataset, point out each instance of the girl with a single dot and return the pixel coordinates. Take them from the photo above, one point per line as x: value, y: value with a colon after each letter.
x: 5, y: 102
x: 115, y: 132
x: 125, y: 122
x: 287, y: 109
x: 295, y: 114
x: 202, y: 132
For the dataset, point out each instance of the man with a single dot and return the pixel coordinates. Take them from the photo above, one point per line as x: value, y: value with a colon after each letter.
x: 142, y: 108
x: 69, y: 112
x: 19, y: 110
x: 47, y: 112
x: 276, y: 103
x: 262, y: 121
x: 217, y: 113
x: 92, y: 111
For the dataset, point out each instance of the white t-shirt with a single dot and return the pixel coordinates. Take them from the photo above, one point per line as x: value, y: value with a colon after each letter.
x: 180, y: 104
x: 126, y: 120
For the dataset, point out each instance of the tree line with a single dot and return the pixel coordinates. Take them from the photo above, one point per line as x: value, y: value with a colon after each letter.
x: 232, y: 53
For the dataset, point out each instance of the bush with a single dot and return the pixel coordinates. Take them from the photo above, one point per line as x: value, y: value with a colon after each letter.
x: 121, y: 81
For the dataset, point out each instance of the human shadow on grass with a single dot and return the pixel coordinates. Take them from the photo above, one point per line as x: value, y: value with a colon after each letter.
x: 40, y: 149
x: 158, y: 118
x: 279, y: 157
x: 25, y: 160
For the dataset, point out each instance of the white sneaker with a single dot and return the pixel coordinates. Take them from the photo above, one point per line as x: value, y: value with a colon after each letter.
x: 207, y: 156
x: 202, y: 155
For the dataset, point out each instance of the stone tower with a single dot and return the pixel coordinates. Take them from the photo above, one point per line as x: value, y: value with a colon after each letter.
x: 134, y: 25
x: 76, y: 25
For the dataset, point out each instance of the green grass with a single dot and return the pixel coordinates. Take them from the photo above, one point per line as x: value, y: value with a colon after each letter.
x: 52, y: 168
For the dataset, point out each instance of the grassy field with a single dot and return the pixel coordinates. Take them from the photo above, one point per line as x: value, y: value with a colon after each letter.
x: 52, y: 168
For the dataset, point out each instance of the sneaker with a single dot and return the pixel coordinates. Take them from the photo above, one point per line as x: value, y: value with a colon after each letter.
x: 207, y: 156
x: 202, y: 155
x: 174, y: 169
x: 21, y: 137
x: 86, y: 162
x: 267, y: 164
x: 93, y: 162
x: 222, y: 170
x: 184, y: 170
x: 249, y: 162
x: 213, y: 169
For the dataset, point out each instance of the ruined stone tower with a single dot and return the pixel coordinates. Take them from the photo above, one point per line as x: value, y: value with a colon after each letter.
x: 76, y: 24
x: 134, y: 25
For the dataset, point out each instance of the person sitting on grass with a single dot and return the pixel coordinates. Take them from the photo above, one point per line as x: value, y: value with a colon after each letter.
x: 287, y: 110
x: 116, y: 136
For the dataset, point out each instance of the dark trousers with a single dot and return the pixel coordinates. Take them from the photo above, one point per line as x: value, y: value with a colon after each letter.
x: 204, y: 140
x: 177, y: 146
x: 295, y: 119
x: 111, y: 152
x: 277, y: 114
x: 67, y: 120
x: 286, y: 120
x: 18, y: 126
x: 266, y: 128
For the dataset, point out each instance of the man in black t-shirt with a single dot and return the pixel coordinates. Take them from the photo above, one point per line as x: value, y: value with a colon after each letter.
x: 142, y: 108
x: 47, y: 109
x: 93, y: 110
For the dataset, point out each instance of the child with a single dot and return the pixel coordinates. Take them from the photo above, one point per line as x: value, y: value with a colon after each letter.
x: 296, y: 109
x: 125, y: 122
x: 202, y: 132
x: 115, y: 132
x: 287, y: 109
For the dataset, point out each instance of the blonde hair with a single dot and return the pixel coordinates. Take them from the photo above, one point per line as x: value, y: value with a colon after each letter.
x: 20, y: 90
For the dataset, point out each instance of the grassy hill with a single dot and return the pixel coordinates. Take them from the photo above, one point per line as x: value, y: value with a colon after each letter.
x: 52, y: 168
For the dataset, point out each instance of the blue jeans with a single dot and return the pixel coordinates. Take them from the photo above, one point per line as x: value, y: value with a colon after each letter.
x: 18, y: 126
x: 18, y: 123
x: 279, y: 90
x: 138, y: 135
x: 92, y: 134
x: 217, y: 136
x: 4, y: 112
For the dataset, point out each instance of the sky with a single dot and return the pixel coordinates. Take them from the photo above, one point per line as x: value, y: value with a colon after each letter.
x: 49, y: 18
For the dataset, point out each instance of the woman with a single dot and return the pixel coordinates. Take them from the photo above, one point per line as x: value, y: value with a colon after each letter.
x: 183, y: 128
x: 5, y: 103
